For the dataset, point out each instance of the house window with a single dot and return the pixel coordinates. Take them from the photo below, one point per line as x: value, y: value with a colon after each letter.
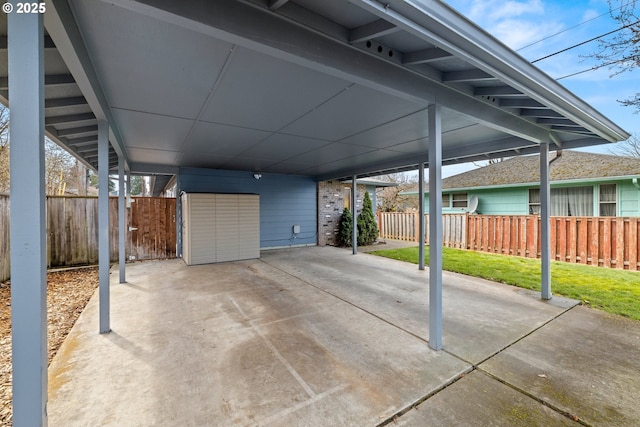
x: 534, y: 201
x: 608, y: 200
x: 459, y: 200
x: 571, y: 201
x: 347, y: 198
x: 446, y: 200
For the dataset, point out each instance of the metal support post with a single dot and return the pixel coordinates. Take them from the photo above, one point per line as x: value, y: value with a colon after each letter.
x: 122, y: 221
x: 435, y: 227
x: 545, y: 223
x: 28, y: 225
x: 421, y: 213
x: 103, y: 224
x: 354, y: 214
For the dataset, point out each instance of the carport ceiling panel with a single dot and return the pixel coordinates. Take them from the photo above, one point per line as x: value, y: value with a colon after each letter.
x: 404, y: 129
x: 154, y: 131
x: 352, y: 111
x: 217, y: 139
x: 374, y: 161
x: 247, y: 164
x: 262, y: 92
x: 462, y: 135
x: 158, y: 157
x: 197, y: 160
x: 149, y: 65
x: 371, y: 158
x: 328, y: 154
x: 416, y: 146
x: 279, y: 146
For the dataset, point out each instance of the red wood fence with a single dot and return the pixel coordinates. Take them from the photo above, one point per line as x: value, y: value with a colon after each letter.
x: 600, y: 241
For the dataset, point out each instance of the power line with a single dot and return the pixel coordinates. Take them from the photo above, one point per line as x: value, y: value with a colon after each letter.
x: 585, y: 42
x: 572, y: 27
x: 597, y: 67
x: 564, y: 31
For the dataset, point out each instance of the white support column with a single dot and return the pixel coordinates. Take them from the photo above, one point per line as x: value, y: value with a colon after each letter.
x: 28, y: 226
x: 545, y: 221
x: 122, y: 221
x: 421, y: 213
x: 435, y: 227
x: 103, y: 224
x: 354, y: 215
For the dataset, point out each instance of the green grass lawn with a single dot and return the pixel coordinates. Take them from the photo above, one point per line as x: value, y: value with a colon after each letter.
x: 614, y: 291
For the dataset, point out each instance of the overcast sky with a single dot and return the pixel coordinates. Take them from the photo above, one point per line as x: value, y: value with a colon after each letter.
x: 536, y: 28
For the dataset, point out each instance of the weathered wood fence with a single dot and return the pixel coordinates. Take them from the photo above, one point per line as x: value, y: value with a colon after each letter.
x: 72, y: 230
x: 601, y: 241
x: 405, y: 226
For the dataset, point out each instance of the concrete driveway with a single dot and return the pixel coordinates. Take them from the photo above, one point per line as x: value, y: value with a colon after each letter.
x: 318, y: 337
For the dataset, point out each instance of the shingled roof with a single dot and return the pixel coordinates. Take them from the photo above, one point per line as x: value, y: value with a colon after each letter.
x: 566, y: 165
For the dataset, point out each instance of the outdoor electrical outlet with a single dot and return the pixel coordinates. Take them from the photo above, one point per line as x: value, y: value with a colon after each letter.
x: 296, y: 229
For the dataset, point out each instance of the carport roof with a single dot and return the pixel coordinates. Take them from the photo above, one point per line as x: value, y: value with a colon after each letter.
x: 324, y: 88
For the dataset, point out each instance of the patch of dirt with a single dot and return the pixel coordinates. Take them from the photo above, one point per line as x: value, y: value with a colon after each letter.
x: 68, y: 291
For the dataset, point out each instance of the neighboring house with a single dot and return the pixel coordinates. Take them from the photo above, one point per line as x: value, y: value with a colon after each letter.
x: 582, y: 184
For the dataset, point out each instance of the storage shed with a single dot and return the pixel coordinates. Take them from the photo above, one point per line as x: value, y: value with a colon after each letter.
x: 220, y: 227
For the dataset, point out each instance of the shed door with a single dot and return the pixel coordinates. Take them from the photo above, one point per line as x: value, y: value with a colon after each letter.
x: 221, y: 227
x: 237, y: 226
x: 200, y: 229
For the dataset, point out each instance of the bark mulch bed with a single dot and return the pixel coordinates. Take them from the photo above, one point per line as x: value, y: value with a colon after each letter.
x: 68, y: 291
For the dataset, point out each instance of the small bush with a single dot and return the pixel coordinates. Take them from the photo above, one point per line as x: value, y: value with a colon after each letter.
x: 367, y: 225
x: 345, y: 228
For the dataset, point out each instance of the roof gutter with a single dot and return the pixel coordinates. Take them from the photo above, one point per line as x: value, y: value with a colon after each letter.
x: 479, y: 48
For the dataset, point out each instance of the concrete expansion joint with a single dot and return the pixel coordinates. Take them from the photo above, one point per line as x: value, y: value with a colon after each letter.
x: 567, y: 414
x: 416, y: 403
x: 476, y: 367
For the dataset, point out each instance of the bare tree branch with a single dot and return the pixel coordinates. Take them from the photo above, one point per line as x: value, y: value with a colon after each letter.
x: 391, y: 199
x: 628, y: 148
x: 621, y: 52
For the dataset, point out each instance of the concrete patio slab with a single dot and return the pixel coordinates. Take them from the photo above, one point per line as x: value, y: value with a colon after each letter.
x: 316, y: 336
x: 480, y: 400
x: 237, y: 344
x: 585, y: 364
x: 497, y: 314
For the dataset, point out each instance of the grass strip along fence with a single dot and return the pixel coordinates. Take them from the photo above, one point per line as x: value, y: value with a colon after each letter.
x: 613, y: 291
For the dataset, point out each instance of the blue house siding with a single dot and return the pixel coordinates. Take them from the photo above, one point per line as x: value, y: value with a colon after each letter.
x: 285, y: 201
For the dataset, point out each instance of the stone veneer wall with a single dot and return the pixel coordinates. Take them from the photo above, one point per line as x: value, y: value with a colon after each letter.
x: 331, y: 196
